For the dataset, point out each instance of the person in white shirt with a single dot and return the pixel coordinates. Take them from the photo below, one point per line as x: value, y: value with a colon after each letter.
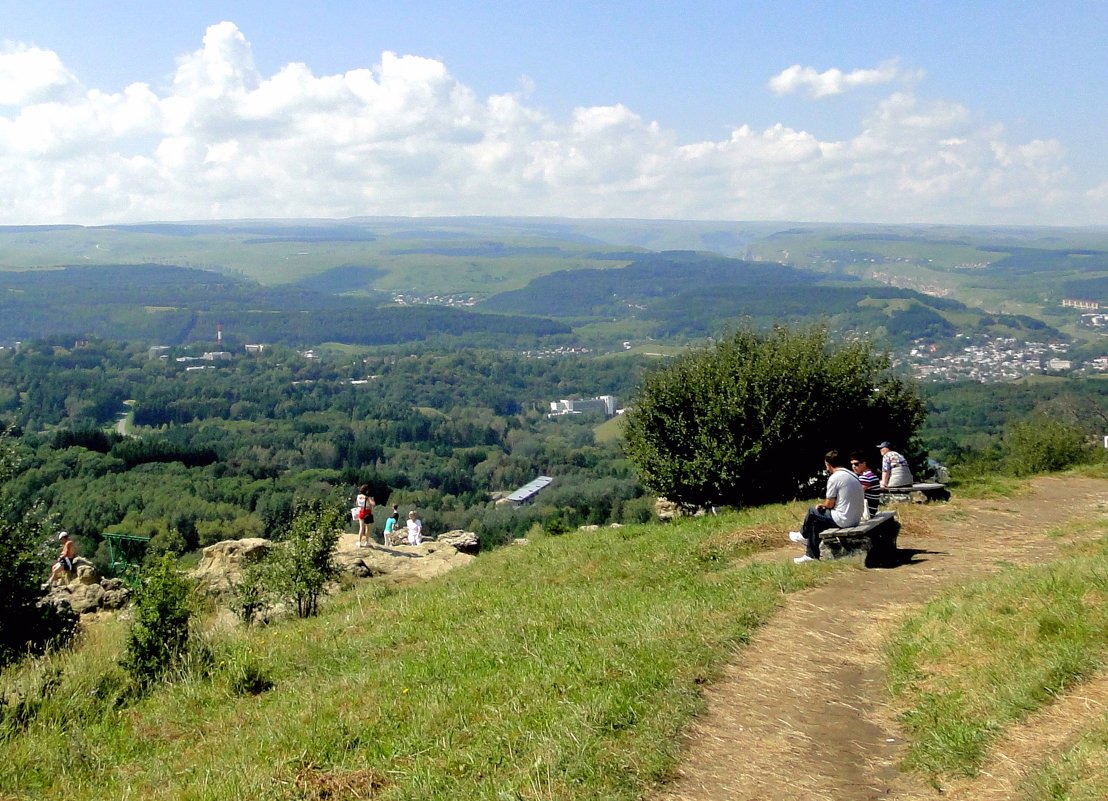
x: 415, y: 529
x: 841, y: 508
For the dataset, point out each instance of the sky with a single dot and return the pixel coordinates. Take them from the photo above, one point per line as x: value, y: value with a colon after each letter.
x: 991, y: 112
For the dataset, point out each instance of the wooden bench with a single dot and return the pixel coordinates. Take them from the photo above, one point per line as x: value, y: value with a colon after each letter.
x: 873, y: 539
x: 920, y: 492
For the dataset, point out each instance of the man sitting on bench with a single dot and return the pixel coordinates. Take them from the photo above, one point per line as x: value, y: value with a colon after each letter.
x: 841, y: 508
x: 869, y: 480
x: 894, y: 468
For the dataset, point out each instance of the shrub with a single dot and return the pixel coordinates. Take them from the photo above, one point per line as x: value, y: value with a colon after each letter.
x: 1042, y: 445
x: 26, y: 624
x: 299, y: 569
x: 158, y: 639
x: 747, y: 422
x: 251, y: 596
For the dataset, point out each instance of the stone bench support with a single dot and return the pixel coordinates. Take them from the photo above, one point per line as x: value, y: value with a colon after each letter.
x: 873, y: 538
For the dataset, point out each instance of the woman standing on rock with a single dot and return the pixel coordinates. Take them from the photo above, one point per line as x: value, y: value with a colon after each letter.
x: 365, y: 506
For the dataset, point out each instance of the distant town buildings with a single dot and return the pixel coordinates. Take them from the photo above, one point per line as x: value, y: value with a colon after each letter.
x: 604, y: 404
x: 1075, y: 303
x: 998, y: 359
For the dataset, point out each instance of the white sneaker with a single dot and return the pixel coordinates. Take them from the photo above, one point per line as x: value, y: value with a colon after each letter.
x: 802, y: 559
x: 796, y: 536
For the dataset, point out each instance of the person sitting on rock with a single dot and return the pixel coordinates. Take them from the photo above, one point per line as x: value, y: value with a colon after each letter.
x: 841, y: 508
x: 415, y: 529
x: 390, y: 527
x: 63, y: 568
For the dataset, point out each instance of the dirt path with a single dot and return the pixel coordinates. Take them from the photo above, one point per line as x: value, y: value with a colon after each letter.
x: 800, y: 713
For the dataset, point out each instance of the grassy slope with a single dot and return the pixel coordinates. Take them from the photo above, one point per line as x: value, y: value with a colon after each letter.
x: 563, y: 669
x: 984, y: 656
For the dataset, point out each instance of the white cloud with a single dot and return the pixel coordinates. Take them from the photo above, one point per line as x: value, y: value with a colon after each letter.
x: 834, y: 81
x: 405, y: 137
x: 29, y: 75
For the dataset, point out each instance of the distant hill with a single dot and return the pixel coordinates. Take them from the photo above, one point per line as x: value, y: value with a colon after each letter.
x: 648, y: 279
x: 175, y: 305
x: 689, y: 278
x: 693, y: 295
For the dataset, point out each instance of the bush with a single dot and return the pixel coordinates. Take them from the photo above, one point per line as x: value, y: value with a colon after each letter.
x: 300, y: 567
x: 26, y: 624
x: 158, y: 640
x: 1043, y: 445
x: 251, y: 596
x: 748, y: 421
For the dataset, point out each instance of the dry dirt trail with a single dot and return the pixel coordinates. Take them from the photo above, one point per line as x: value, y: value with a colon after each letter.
x: 800, y: 713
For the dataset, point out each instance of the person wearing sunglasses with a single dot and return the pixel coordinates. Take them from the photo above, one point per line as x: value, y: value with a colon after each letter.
x: 869, y: 480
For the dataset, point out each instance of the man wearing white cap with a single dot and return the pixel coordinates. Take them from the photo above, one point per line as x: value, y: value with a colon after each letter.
x: 64, y: 565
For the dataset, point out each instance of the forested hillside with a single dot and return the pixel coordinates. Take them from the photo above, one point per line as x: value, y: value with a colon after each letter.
x: 225, y: 451
x: 693, y: 295
x: 174, y: 305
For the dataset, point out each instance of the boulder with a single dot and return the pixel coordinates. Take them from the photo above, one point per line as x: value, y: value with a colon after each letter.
x: 464, y: 541
x: 666, y: 509
x: 84, y: 596
x: 221, y: 564
x: 86, y: 572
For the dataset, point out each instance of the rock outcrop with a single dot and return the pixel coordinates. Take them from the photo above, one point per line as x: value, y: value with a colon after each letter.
x: 401, y: 563
x: 464, y: 541
x: 221, y: 564
x: 85, y: 592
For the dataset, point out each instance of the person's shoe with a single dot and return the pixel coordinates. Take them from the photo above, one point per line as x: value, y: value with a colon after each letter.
x: 796, y: 536
x: 802, y: 559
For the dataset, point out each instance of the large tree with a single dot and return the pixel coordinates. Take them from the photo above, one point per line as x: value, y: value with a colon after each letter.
x: 747, y: 421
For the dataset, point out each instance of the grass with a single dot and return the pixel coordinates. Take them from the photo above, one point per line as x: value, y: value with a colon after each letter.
x: 981, y: 485
x: 982, y: 656
x: 563, y: 669
x: 1080, y: 773
x: 609, y: 431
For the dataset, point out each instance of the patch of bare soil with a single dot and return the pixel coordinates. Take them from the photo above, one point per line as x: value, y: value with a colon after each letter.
x: 801, y: 712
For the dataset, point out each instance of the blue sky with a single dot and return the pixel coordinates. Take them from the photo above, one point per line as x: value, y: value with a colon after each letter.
x: 986, y: 112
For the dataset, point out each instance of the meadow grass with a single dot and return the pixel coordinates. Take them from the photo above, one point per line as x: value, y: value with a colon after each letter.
x: 982, y: 656
x: 1080, y: 773
x: 988, y: 484
x: 566, y: 668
